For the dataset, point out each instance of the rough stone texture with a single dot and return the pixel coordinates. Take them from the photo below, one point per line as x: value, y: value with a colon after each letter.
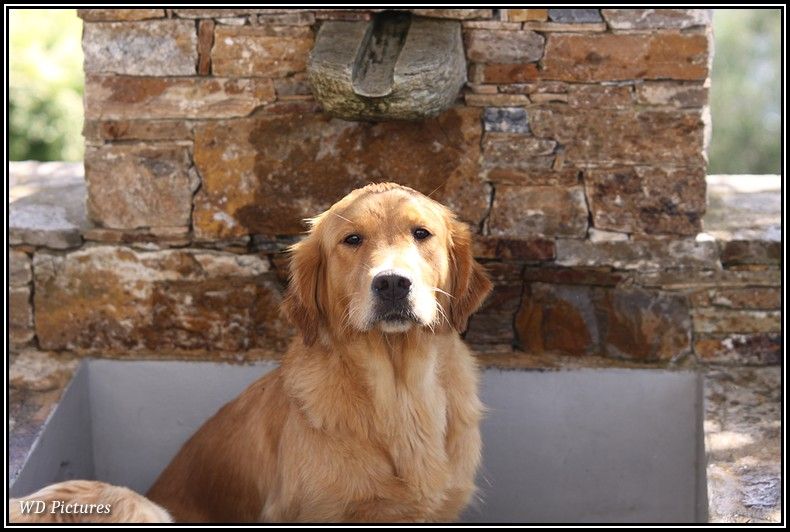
x: 620, y: 323
x: 598, y: 97
x: 506, y: 120
x: 600, y: 276
x: 348, y: 15
x: 260, y: 51
x: 520, y: 212
x: 133, y: 186
x: 739, y: 252
x: 231, y: 21
x: 20, y: 273
x: 682, y: 279
x: 103, y: 15
x: 587, y: 96
x: 223, y: 13
x: 387, y: 78
x: 127, y: 98
x: 461, y: 14
x: 47, y: 204
x: 501, y: 46
x: 505, y: 73
x: 481, y: 89
x: 520, y: 160
x: 722, y: 321
x: 575, y: 16
x: 648, y: 137
x: 548, y: 27
x: 611, y: 57
x: 740, y: 349
x: 146, y: 239
x: 40, y: 371
x: 523, y: 15
x: 162, y: 301
x: 640, y: 324
x: 557, y: 318
x: 650, y: 19
x: 765, y: 298
x: 298, y: 18
x: 149, y: 48
x: 264, y: 175
x: 98, y: 131
x: 687, y: 94
x: 648, y: 200
x: 491, y: 25
x: 20, y: 315
x: 576, y: 149
x: 296, y: 85
x: 205, y: 43
x: 497, y: 100
x: 509, y: 153
x: 744, y: 207
x: 536, y: 249
x: 641, y: 255
x: 39, y: 221
x: 491, y: 327
x: 536, y: 175
x: 506, y: 151
x: 596, y: 235
x: 743, y: 440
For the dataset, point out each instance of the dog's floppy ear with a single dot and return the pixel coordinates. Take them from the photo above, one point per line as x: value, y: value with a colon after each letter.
x: 301, y: 302
x: 468, y: 279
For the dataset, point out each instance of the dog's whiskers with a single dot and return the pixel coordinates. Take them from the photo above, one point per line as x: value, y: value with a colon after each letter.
x: 342, y: 217
x: 437, y: 289
x: 442, y: 313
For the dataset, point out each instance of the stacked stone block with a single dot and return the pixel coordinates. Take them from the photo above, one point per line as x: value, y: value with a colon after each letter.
x: 576, y: 152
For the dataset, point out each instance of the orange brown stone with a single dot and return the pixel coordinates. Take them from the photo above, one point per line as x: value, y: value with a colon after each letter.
x: 264, y: 175
x: 611, y: 57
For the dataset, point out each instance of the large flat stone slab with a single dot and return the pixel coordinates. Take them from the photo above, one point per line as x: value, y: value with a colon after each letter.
x: 264, y: 175
x: 744, y: 207
x: 47, y: 204
x: 117, y: 300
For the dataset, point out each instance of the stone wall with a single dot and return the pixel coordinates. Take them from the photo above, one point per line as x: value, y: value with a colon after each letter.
x: 576, y: 150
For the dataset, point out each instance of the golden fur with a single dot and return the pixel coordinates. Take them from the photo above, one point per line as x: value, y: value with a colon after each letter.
x: 365, y: 420
x: 356, y: 424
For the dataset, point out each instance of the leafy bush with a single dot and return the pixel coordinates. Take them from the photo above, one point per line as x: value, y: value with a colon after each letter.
x: 745, y: 92
x: 45, y: 85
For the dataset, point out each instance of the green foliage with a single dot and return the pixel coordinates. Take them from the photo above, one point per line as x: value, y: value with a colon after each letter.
x: 746, y: 92
x: 45, y: 85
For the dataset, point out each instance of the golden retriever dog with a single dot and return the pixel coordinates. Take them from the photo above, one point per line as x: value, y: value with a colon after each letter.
x: 85, y: 501
x: 373, y: 414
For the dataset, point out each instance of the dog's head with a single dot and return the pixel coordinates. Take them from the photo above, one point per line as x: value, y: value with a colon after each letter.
x: 385, y: 258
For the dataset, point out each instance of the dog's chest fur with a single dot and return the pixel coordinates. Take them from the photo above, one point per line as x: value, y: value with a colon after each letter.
x: 397, y: 401
x: 410, y: 408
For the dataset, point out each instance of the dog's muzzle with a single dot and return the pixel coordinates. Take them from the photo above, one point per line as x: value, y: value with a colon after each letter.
x: 392, y: 297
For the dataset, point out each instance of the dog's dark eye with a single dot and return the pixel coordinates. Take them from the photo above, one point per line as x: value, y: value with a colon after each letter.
x: 353, y: 240
x: 421, y: 233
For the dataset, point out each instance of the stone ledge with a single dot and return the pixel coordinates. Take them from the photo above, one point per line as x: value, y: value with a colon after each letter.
x: 744, y: 207
x: 36, y: 383
x: 553, y: 361
x: 47, y: 204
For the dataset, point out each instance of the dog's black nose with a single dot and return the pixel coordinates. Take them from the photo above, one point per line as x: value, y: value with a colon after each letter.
x: 391, y: 287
